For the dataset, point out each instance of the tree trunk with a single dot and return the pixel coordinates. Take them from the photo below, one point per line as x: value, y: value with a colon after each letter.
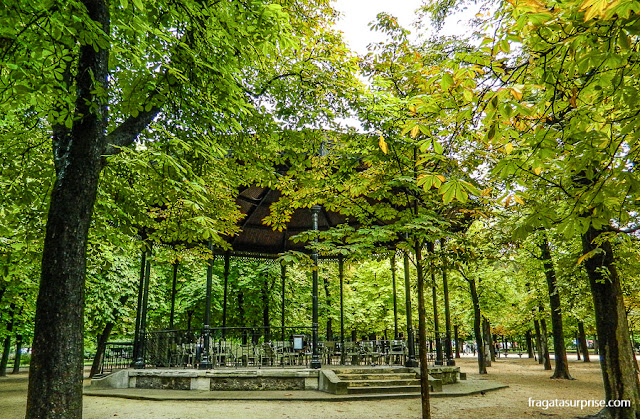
x: 544, y: 343
x: 577, y: 340
x: 560, y: 352
x: 7, y: 341
x: 582, y: 339
x: 173, y: 295
x: 489, y: 350
x: 328, y: 309
x: 456, y: 340
x: 616, y: 353
x: 100, y: 349
x: 477, y: 328
x: 529, y: 344
x: 536, y: 325
x: 55, y: 377
x: 16, y: 361
x: 422, y: 334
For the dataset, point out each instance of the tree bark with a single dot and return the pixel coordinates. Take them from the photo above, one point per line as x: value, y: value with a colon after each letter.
x: 6, y: 347
x: 489, y: 350
x: 544, y: 343
x: 422, y: 334
x: 529, y: 344
x: 560, y: 352
x: 616, y: 353
x: 100, y: 349
x: 55, y: 377
x: 582, y: 338
x: 477, y: 326
x: 16, y: 361
x: 456, y: 340
x: 328, y: 309
x: 536, y: 325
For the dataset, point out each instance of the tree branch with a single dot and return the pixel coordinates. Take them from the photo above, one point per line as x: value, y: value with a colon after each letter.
x: 125, y: 134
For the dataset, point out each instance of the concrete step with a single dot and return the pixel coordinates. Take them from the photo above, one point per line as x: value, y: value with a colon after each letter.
x: 382, y: 383
x: 383, y: 390
x: 378, y: 376
x: 399, y: 370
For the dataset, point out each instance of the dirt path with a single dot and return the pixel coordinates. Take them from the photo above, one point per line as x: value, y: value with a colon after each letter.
x: 525, y: 378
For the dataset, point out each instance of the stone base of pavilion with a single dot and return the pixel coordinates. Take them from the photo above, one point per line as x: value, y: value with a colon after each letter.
x: 267, y: 384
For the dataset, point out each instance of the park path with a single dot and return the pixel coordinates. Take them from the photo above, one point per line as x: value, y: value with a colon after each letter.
x: 525, y: 379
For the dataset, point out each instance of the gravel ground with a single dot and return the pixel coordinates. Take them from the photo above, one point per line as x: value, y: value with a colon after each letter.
x: 526, y: 379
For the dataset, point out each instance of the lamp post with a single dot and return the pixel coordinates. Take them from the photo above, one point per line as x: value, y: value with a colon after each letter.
x: 315, y: 356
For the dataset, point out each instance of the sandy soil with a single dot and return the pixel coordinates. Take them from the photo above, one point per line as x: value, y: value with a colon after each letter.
x: 525, y: 379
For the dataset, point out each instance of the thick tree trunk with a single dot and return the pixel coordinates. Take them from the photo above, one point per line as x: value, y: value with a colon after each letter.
x: 616, y: 354
x: 422, y: 335
x: 560, y: 352
x: 477, y: 327
x: 529, y: 344
x: 16, y: 361
x: 6, y: 347
x: 55, y: 378
x: 582, y: 339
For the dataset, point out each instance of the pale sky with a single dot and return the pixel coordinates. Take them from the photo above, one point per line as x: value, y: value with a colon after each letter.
x: 357, y: 14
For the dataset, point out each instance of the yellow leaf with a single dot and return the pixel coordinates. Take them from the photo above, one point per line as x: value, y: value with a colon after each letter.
x: 517, y: 93
x: 508, y: 148
x: 383, y: 145
x: 585, y: 256
x: 440, y: 177
x: 414, y: 131
x: 537, y: 170
x: 518, y: 199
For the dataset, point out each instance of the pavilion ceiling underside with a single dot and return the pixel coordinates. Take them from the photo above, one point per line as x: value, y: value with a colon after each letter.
x: 257, y: 237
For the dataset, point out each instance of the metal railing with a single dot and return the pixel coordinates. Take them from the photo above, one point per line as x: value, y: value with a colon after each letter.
x: 117, y: 355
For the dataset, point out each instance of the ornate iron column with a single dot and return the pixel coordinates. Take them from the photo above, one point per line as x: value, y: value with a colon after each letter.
x: 315, y: 356
x: 205, y: 362
x: 411, y: 359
